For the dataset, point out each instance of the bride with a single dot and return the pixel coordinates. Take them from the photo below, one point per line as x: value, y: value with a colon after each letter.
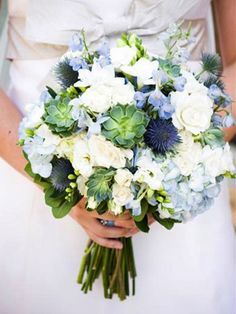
x: 189, y: 270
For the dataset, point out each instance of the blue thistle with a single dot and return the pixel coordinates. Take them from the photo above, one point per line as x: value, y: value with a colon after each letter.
x: 161, y: 136
x: 211, y: 63
x: 60, y: 172
x: 65, y: 73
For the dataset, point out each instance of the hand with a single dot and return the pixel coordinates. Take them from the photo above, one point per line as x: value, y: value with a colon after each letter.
x: 103, y: 235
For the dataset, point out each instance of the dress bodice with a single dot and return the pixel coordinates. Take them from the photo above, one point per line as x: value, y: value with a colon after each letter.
x: 41, y: 29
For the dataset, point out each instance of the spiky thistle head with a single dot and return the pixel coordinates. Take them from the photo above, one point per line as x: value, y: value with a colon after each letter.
x: 65, y: 74
x: 211, y: 63
x: 161, y: 136
x: 214, y: 80
x: 61, y: 169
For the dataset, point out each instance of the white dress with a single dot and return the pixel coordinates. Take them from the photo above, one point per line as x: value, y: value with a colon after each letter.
x: 188, y: 270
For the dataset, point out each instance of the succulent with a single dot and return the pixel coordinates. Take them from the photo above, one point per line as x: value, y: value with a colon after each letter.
x: 125, y: 126
x: 58, y: 116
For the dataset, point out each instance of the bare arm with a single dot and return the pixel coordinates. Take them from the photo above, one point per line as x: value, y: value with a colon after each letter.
x: 9, y: 122
x: 225, y: 12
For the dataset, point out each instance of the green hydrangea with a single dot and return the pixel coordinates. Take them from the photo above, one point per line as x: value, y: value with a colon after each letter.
x: 125, y: 126
x: 58, y: 116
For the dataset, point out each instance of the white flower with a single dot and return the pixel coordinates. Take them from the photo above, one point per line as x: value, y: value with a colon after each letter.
x: 149, y: 171
x: 82, y: 160
x: 66, y: 147
x: 143, y: 70
x: 115, y: 208
x: 122, y: 55
x: 217, y: 161
x: 97, y: 98
x: 121, y: 194
x: 92, y: 203
x: 123, y: 177
x: 192, y: 111
x: 81, y: 184
x: 122, y: 94
x: 198, y: 179
x: 50, y: 140
x: 188, y: 154
x: 105, y: 154
x: 192, y: 85
x: 41, y: 164
x: 98, y: 76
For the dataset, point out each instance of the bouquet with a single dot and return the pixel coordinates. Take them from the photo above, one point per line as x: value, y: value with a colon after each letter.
x: 129, y: 131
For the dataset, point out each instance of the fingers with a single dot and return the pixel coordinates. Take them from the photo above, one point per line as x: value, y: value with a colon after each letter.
x: 109, y: 243
x: 109, y: 216
x: 109, y: 232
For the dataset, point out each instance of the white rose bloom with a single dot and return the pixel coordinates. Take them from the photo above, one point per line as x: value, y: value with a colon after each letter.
x: 122, y: 94
x: 121, y: 194
x: 122, y: 55
x: 97, y: 98
x: 82, y: 159
x: 143, y: 70
x: 115, y: 208
x: 123, y: 177
x: 105, y: 154
x: 192, y: 112
x: 217, y: 161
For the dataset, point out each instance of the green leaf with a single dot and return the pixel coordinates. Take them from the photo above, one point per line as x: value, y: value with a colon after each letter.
x: 143, y: 224
x: 144, y: 210
x: 168, y: 223
x: 51, y: 92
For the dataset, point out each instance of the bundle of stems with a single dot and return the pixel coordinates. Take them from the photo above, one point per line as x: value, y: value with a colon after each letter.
x: 117, y: 268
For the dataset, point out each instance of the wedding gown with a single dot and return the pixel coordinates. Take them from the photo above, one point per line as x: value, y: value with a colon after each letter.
x: 188, y: 270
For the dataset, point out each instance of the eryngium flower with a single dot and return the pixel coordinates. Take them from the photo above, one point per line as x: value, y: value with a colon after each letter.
x: 61, y: 169
x: 58, y: 116
x: 125, y: 126
x: 161, y: 136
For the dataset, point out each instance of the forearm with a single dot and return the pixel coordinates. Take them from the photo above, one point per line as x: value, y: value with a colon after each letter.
x: 10, y: 118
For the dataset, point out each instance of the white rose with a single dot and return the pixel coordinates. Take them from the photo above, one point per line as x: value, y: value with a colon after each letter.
x: 122, y: 94
x: 105, y: 154
x: 143, y: 70
x: 121, y: 194
x: 82, y: 160
x: 123, y: 177
x: 122, y: 55
x: 192, y: 112
x: 97, y: 98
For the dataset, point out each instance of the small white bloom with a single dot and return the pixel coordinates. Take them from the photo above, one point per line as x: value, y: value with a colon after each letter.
x: 123, y: 177
x: 192, y: 111
x: 81, y: 184
x: 105, y: 154
x: 192, y: 85
x: 121, y: 194
x: 41, y: 164
x: 143, y: 69
x: 82, y: 159
x: 122, y: 55
x: 92, y: 203
x: 115, y: 208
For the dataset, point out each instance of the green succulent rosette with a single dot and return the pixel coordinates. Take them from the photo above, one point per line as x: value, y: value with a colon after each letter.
x: 58, y: 116
x: 125, y: 126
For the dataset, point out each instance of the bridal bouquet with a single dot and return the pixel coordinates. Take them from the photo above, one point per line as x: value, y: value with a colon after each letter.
x: 129, y: 131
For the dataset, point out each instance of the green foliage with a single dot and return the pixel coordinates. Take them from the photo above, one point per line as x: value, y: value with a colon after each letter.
x: 173, y: 70
x: 99, y: 184
x: 213, y: 137
x: 133, y: 40
x: 168, y: 223
x: 58, y: 116
x: 125, y: 126
x: 58, y: 202
x: 143, y: 224
x: 65, y: 74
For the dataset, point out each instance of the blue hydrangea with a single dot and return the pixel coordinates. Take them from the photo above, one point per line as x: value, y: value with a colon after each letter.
x: 179, y: 83
x: 76, y: 43
x: 78, y: 63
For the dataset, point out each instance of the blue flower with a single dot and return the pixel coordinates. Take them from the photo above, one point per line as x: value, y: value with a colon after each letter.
x: 227, y: 121
x: 159, y: 77
x: 217, y: 120
x: 140, y: 99
x: 179, y: 83
x: 104, y: 54
x: 162, y: 104
x: 166, y: 111
x: 78, y: 63
x: 219, y: 97
x: 76, y: 43
x: 161, y: 136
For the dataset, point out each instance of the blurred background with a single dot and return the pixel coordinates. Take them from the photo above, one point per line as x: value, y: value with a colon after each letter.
x: 4, y: 68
